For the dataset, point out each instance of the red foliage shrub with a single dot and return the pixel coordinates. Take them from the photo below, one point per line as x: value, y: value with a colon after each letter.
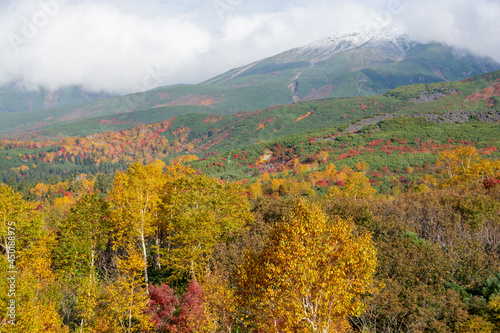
x: 161, y: 305
x: 321, y: 183
x: 193, y: 315
x: 489, y: 183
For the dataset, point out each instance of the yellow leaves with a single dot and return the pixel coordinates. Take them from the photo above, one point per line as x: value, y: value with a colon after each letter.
x: 131, y: 264
x: 276, y: 183
x: 123, y: 303
x: 463, y: 166
x: 265, y: 177
x: 221, y: 299
x: 35, y: 283
x: 12, y: 208
x: 255, y: 190
x: 331, y: 168
x: 184, y: 158
x: 123, y: 300
x: 323, y: 156
x: 330, y: 174
x: 135, y: 203
x: 84, y: 185
x: 346, y: 170
x: 199, y: 211
x: 22, y: 169
x: 62, y: 205
x: 494, y: 306
x: 87, y: 302
x: 357, y: 185
x: 429, y: 180
x: 308, y: 274
x: 135, y: 198
x: 422, y: 188
x: 304, y: 168
x: 362, y: 167
x: 475, y: 325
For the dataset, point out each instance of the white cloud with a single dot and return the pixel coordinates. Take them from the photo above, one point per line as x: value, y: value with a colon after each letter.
x: 462, y: 23
x: 100, y: 47
x: 125, y: 45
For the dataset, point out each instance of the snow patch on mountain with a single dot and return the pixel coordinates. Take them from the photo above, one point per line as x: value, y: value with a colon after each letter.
x: 387, y: 37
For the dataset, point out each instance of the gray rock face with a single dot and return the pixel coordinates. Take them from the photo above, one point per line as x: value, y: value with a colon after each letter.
x: 488, y: 116
x: 427, y: 97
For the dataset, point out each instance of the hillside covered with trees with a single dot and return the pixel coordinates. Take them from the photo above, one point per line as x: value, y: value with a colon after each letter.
x: 372, y: 214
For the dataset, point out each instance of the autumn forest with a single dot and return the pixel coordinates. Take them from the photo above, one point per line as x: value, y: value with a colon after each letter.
x: 369, y: 214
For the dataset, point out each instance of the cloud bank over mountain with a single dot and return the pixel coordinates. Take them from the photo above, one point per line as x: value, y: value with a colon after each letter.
x: 127, y: 46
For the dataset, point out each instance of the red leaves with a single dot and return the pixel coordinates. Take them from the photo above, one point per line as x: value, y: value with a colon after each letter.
x: 375, y: 143
x: 161, y: 306
x: 192, y: 314
x: 322, y: 183
x: 489, y: 183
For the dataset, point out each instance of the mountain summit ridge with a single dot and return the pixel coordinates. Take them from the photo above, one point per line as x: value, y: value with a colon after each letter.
x: 352, y: 38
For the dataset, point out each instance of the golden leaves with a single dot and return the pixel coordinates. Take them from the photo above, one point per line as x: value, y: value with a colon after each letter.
x: 463, y: 166
x: 309, y: 274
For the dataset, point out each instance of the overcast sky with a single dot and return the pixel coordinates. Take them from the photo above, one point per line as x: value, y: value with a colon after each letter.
x: 123, y: 46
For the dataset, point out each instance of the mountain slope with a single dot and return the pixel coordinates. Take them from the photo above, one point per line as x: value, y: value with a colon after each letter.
x: 410, y: 124
x: 355, y: 63
x: 360, y: 63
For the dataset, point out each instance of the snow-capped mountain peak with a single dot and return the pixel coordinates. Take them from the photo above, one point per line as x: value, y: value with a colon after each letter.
x: 393, y: 36
x: 356, y: 37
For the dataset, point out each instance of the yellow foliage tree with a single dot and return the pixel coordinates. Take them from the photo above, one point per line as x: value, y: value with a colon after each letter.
x: 330, y: 172
x: 36, y: 286
x: 463, y: 166
x: 323, y: 156
x: 26, y: 277
x: 362, y: 167
x: 309, y: 275
x: 304, y: 168
x: 276, y: 183
x: 199, y: 212
x: 221, y: 299
x: 122, y: 303
x: 494, y: 307
x: 265, y: 177
x: 255, y: 190
x: 357, y: 185
x: 184, y: 158
x: 40, y: 189
x: 135, y: 202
